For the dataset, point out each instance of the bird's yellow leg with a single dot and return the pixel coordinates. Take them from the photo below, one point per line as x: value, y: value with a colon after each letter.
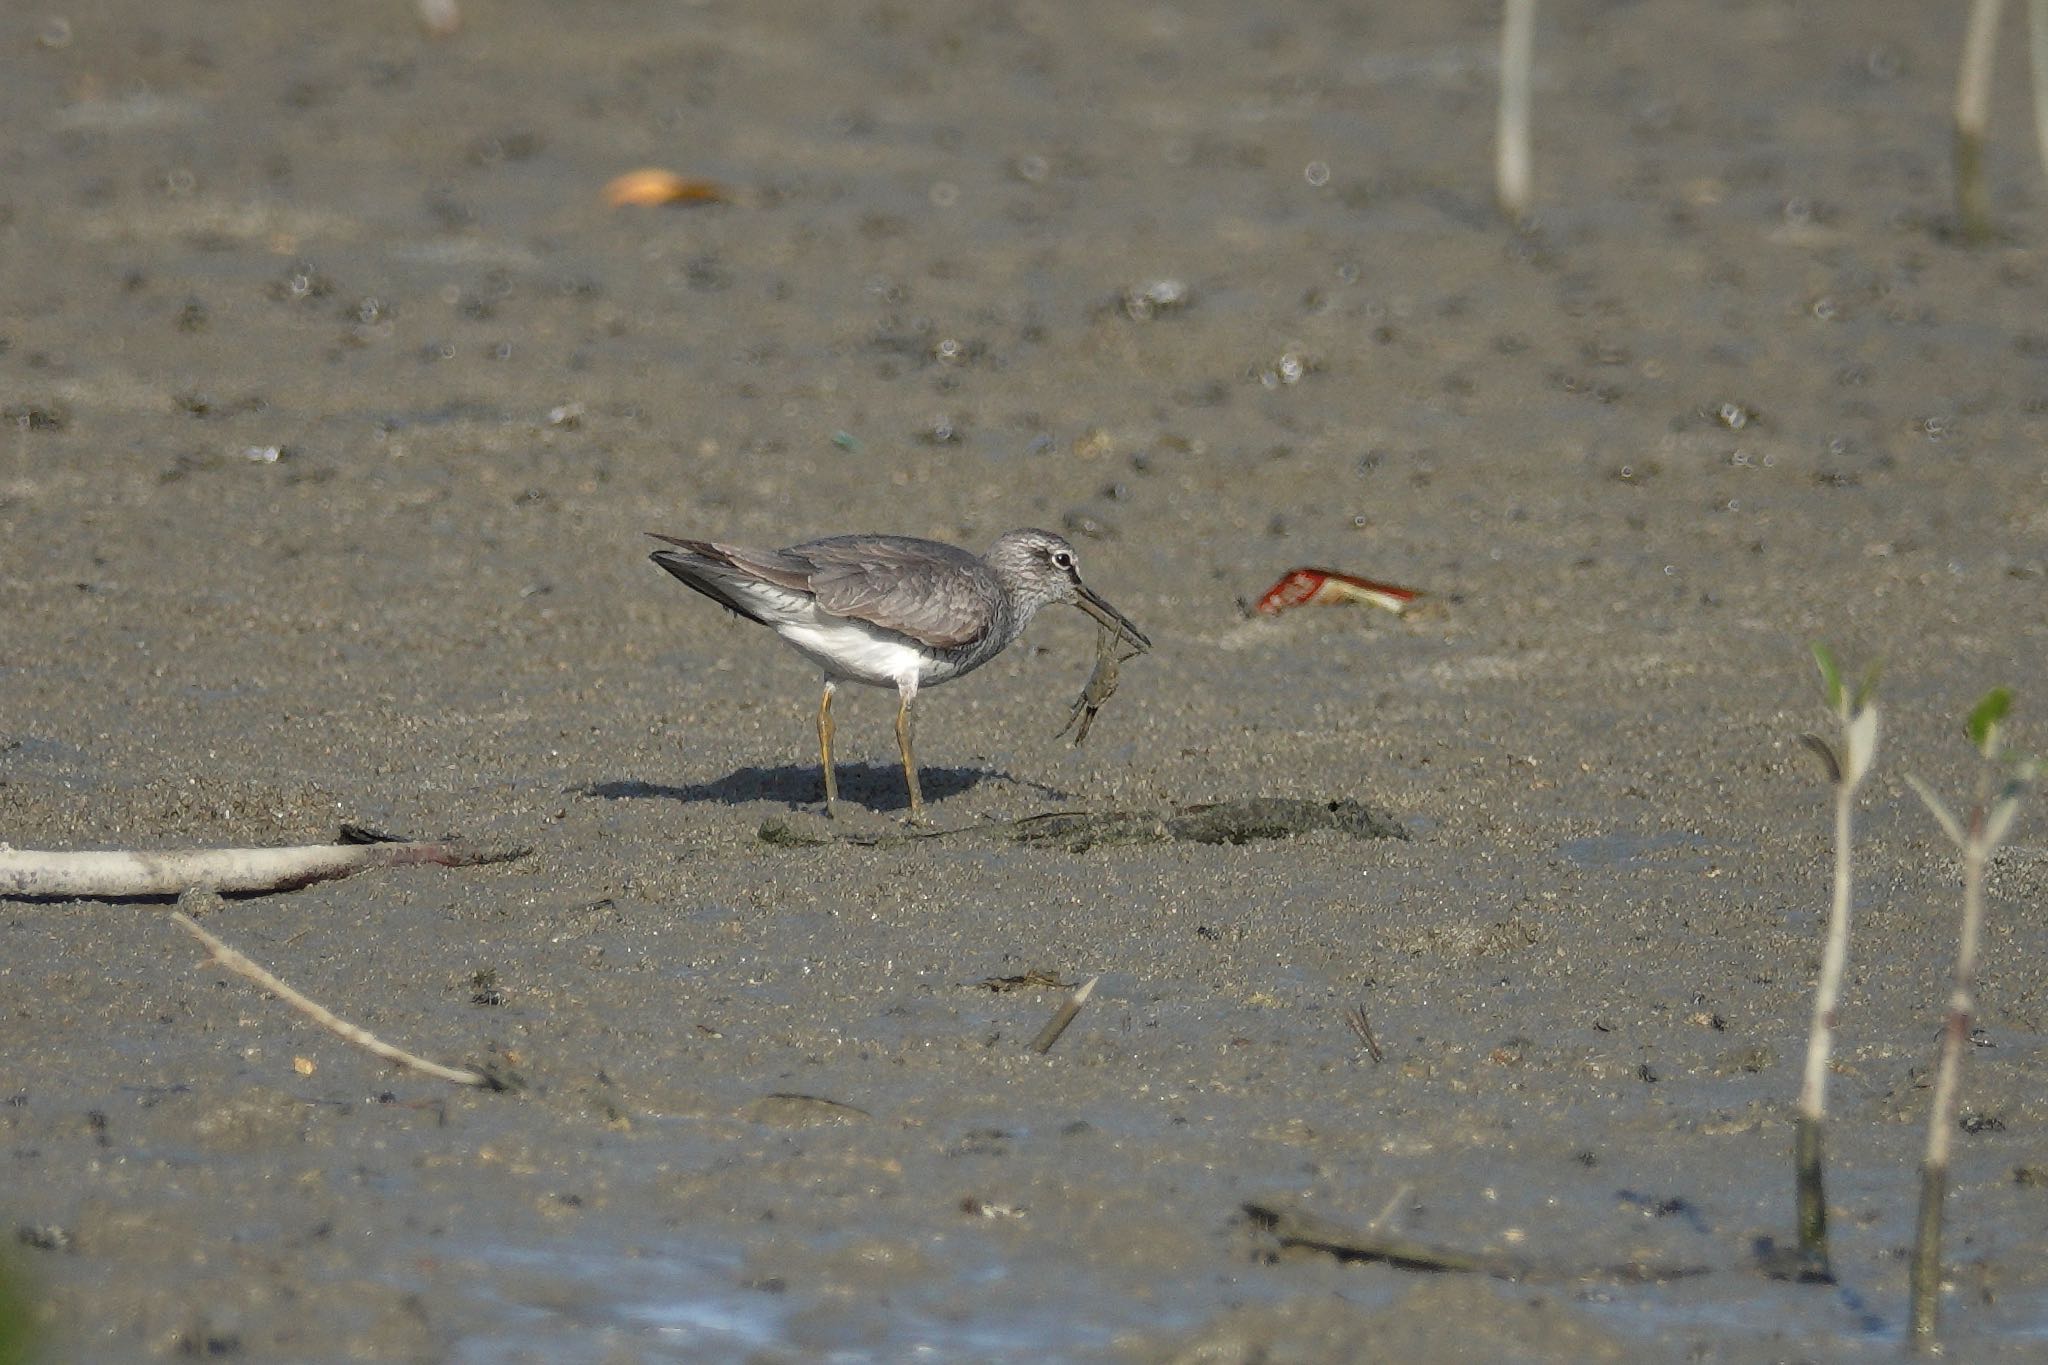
x: 909, y: 763
x: 825, y: 748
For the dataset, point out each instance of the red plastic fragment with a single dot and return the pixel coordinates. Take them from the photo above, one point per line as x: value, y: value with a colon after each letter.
x: 1319, y: 587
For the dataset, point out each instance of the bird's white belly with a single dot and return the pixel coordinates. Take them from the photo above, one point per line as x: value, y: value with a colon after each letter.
x: 858, y: 652
x: 844, y: 648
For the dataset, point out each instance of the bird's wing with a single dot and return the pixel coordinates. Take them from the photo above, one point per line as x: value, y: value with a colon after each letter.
x: 783, y: 568
x: 730, y: 575
x: 935, y: 593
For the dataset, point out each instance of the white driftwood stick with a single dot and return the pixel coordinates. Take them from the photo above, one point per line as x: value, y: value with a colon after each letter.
x: 236, y: 962
x: 232, y: 871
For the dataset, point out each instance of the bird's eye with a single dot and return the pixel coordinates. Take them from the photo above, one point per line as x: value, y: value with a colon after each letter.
x: 1063, y: 558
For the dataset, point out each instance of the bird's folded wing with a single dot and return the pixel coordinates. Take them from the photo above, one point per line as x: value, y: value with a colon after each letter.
x: 940, y: 599
x: 783, y: 568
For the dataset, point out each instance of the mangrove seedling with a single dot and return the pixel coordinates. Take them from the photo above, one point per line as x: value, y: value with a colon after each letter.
x: 1972, y: 116
x: 1511, y: 159
x: 1973, y: 108
x: 1856, y: 721
x: 1977, y: 837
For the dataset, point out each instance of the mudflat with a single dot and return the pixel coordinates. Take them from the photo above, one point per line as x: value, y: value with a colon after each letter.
x: 337, y: 400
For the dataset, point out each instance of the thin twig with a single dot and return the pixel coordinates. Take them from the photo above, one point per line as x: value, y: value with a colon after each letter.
x: 1361, y: 1026
x: 1385, y: 1217
x: 1294, y: 1226
x: 235, y: 961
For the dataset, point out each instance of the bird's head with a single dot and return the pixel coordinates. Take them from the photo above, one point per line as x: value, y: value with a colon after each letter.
x: 1042, y: 568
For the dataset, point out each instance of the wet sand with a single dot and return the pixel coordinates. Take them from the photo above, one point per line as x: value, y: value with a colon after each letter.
x: 337, y: 402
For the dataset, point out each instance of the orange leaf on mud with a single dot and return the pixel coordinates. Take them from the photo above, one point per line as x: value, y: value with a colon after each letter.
x: 651, y: 186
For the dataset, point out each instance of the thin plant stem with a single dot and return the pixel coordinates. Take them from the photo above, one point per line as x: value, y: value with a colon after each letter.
x: 1856, y: 716
x: 2037, y: 47
x: 1925, y: 1293
x: 1810, y: 1145
x: 1512, y: 175
x: 1973, y: 117
x: 1989, y: 820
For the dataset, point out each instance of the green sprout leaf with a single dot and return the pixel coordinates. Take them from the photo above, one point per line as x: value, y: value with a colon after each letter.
x: 1985, y: 720
x: 1830, y: 676
x: 1866, y: 689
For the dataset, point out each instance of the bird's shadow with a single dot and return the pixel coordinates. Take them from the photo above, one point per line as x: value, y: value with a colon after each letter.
x: 877, y: 786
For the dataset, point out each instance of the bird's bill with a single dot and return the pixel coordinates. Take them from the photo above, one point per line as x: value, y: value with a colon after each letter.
x: 1088, y: 600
